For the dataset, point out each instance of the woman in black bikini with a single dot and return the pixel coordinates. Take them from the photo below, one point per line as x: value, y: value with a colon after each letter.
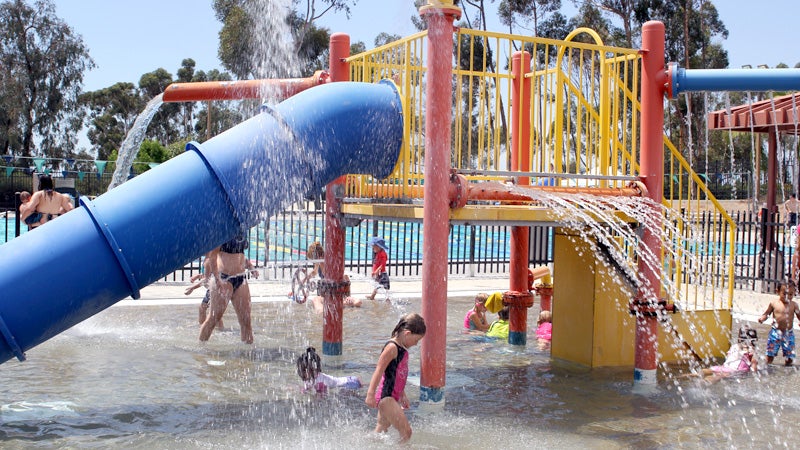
x: 45, y: 202
x: 229, y: 268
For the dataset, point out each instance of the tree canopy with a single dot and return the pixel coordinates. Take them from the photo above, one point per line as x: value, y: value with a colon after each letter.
x: 42, y: 62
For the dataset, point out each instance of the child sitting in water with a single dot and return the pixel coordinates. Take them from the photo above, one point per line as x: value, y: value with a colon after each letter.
x: 476, y: 317
x: 309, y: 367
x: 739, y: 359
x: 499, y: 328
x: 544, y: 331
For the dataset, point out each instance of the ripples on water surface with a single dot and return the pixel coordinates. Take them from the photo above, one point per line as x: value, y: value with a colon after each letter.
x: 136, y: 377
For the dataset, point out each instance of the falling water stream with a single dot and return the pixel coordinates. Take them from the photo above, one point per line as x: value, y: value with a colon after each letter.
x: 133, y: 140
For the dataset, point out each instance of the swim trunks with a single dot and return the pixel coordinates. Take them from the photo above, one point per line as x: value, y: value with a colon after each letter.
x: 235, y: 280
x: 783, y: 340
x: 33, y: 218
x: 383, y: 280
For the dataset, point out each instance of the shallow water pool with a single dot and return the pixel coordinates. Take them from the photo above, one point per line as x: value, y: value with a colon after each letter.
x: 136, y: 377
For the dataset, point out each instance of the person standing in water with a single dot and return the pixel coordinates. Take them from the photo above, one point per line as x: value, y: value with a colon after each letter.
x: 387, y: 386
x: 46, y: 202
x: 783, y: 311
x: 379, y: 259
x: 229, y: 283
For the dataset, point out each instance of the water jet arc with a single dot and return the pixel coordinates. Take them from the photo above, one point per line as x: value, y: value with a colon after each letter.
x: 92, y: 257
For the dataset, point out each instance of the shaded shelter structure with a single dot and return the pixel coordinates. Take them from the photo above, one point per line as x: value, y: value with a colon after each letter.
x: 772, y: 116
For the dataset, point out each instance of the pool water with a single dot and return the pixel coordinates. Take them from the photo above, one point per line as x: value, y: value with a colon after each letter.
x: 136, y: 377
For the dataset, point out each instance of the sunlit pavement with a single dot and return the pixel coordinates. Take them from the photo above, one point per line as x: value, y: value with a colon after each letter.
x: 747, y: 305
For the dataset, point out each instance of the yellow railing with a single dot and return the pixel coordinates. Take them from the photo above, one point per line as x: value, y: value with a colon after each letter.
x: 584, y: 117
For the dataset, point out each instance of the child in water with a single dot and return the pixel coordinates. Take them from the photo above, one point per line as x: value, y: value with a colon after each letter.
x: 387, y: 385
x: 36, y: 218
x: 544, y: 329
x: 309, y: 367
x: 379, y: 259
x: 739, y: 359
x: 476, y: 317
x: 499, y: 328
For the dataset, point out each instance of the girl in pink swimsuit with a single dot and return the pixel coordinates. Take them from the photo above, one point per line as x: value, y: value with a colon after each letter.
x: 476, y: 317
x: 387, y: 385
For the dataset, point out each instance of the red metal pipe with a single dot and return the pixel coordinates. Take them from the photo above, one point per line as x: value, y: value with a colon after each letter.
x: 494, y: 191
x: 435, y: 224
x: 241, y: 89
x: 651, y: 162
x: 339, y: 50
x: 520, y: 161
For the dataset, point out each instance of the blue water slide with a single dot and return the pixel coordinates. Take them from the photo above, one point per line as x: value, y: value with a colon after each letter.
x: 94, y: 256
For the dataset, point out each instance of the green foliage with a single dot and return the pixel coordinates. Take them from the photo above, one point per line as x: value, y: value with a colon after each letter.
x: 110, y: 114
x: 42, y: 62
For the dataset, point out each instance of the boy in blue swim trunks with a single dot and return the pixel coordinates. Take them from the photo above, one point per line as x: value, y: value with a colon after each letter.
x: 783, y: 310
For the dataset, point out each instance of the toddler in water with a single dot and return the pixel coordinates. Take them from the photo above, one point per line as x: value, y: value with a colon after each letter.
x: 739, y: 359
x: 309, y: 367
x: 499, y: 328
x: 544, y: 331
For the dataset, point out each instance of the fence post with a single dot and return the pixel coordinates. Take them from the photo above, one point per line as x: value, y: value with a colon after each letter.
x: 17, y: 203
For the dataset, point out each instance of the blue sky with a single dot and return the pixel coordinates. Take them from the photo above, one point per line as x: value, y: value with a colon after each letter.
x: 127, y: 39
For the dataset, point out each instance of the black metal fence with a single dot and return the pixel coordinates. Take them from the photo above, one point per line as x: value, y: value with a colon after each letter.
x: 765, y: 246
x: 89, y: 184
x: 279, y: 245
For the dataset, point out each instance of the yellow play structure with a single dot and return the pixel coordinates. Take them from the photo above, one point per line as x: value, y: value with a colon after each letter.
x: 582, y: 117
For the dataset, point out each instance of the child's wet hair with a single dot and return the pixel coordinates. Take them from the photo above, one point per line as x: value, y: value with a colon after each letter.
x: 545, y: 316
x: 504, y: 313
x: 785, y: 283
x: 309, y: 364
x: 412, y: 322
x: 748, y: 335
x: 315, y: 251
x: 481, y: 298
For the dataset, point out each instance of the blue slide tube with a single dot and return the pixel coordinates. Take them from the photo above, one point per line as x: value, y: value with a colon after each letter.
x: 92, y: 257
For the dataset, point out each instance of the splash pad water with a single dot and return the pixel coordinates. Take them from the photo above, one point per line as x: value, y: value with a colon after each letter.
x: 536, y: 406
x: 136, y: 377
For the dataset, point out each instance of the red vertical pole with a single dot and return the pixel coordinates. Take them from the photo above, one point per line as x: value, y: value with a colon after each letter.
x: 436, y: 223
x: 652, y: 174
x: 333, y: 286
x: 520, y: 161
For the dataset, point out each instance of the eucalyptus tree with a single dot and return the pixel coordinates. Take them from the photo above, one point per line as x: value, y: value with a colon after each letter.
x: 693, y: 28
x: 111, y: 113
x: 43, y: 61
x: 165, y: 126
